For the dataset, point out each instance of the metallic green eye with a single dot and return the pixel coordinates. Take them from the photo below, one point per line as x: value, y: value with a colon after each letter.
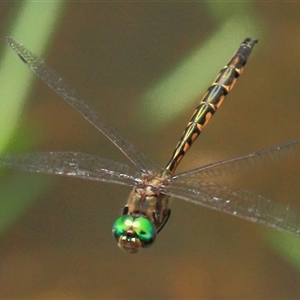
x: 121, y: 226
x: 144, y: 230
x: 133, y: 232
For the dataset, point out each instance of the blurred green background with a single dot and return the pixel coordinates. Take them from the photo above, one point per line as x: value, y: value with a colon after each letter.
x: 144, y: 66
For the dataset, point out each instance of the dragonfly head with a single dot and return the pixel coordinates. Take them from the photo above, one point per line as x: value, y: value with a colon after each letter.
x: 133, y: 233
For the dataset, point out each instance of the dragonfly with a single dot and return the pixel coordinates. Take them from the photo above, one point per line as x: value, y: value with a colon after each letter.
x: 147, y: 209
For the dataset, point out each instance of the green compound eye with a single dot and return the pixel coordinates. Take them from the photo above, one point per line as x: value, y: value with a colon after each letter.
x: 121, y: 225
x: 144, y: 230
x: 141, y: 226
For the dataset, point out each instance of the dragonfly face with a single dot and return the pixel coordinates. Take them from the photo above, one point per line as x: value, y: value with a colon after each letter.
x: 133, y: 233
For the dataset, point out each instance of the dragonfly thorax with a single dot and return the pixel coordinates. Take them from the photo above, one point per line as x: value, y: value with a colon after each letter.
x: 144, y: 215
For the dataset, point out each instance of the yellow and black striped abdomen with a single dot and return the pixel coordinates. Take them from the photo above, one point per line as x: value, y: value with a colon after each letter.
x: 211, y: 101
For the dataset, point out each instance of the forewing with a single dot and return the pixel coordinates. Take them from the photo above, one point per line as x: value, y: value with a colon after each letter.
x: 79, y: 165
x: 240, y: 203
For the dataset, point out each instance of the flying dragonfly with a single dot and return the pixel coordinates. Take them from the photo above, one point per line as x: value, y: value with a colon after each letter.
x: 147, y: 210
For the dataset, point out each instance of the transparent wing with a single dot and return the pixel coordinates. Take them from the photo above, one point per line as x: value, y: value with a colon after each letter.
x: 199, y: 186
x: 250, y: 161
x: 240, y: 203
x: 79, y: 165
x: 53, y: 80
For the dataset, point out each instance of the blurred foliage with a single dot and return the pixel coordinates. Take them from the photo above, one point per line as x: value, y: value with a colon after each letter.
x: 182, y: 85
x: 33, y: 24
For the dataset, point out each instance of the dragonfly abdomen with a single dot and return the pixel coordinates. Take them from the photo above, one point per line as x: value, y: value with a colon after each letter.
x: 211, y: 101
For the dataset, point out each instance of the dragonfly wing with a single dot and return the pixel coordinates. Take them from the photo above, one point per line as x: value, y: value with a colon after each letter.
x: 240, y: 203
x: 53, y: 80
x: 250, y: 161
x: 79, y: 165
